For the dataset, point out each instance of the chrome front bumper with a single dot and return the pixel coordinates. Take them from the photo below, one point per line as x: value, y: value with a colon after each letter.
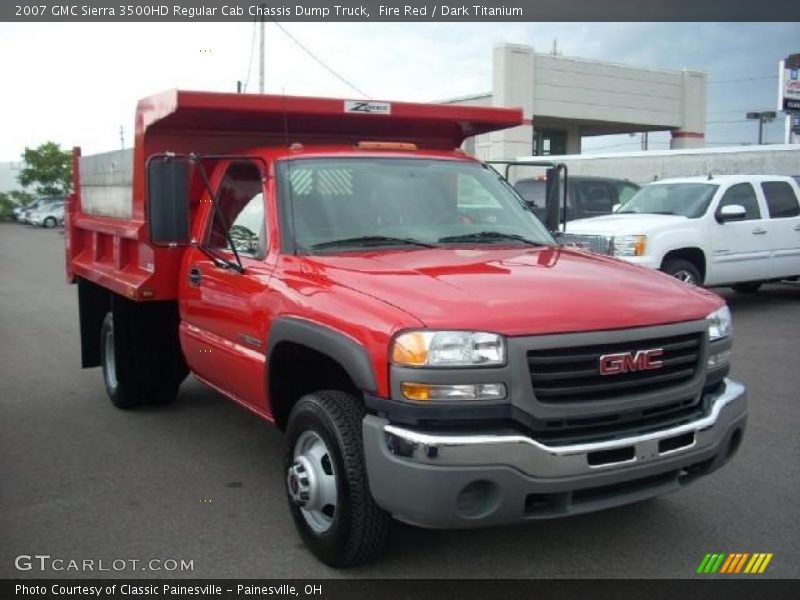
x: 458, y: 480
x: 535, y: 458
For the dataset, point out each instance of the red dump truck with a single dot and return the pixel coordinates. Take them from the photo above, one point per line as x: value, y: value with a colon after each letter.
x: 343, y: 270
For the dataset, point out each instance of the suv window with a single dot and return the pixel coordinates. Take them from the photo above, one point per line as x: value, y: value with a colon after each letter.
x: 781, y: 199
x: 596, y: 197
x: 240, y: 211
x: 744, y: 195
x: 625, y: 191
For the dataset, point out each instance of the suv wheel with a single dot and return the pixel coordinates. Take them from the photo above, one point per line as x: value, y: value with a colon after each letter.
x: 326, y: 480
x: 683, y: 270
x: 747, y: 288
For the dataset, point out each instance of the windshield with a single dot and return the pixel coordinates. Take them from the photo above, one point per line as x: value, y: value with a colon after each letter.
x: 685, y: 199
x: 347, y: 204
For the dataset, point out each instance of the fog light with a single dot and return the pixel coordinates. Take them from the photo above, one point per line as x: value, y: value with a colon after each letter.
x: 719, y: 359
x: 477, y: 391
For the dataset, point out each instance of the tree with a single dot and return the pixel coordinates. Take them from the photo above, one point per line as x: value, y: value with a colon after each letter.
x: 48, y: 168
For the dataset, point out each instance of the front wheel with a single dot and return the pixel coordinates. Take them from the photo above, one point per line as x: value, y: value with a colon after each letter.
x: 683, y: 270
x: 326, y: 480
x: 50, y: 222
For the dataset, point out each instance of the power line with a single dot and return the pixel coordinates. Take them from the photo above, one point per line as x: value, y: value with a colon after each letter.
x: 319, y: 60
x: 744, y: 79
x: 730, y: 121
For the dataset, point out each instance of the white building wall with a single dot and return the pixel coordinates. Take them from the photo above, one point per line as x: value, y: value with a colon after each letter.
x: 586, y: 97
x: 644, y: 167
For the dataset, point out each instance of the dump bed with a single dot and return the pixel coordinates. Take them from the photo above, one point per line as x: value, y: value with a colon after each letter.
x: 106, y: 229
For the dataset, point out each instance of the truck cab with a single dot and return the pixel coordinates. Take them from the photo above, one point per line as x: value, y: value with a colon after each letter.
x: 344, y: 271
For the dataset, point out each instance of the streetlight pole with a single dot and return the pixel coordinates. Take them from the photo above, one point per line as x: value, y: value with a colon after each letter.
x: 764, y: 116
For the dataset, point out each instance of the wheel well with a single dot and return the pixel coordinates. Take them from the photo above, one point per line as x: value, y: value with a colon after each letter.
x: 692, y: 255
x: 296, y: 370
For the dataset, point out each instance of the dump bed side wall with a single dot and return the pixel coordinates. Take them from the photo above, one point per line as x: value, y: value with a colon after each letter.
x: 106, y: 184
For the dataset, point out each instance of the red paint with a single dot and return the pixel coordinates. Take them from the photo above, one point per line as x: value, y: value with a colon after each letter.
x: 688, y: 134
x: 366, y: 296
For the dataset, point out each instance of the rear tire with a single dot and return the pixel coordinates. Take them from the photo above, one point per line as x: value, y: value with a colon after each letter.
x: 326, y: 482
x: 682, y: 270
x: 122, y: 395
x: 129, y: 394
x: 747, y: 288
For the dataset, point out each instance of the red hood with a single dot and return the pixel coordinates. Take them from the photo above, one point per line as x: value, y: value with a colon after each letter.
x: 518, y: 291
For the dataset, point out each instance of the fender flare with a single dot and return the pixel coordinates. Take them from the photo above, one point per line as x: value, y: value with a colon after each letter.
x: 352, y: 356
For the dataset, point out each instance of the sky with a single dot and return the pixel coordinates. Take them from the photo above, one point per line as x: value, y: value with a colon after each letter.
x: 77, y: 84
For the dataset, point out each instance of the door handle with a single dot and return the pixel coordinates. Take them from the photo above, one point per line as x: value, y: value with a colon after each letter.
x: 194, y: 276
x: 759, y: 231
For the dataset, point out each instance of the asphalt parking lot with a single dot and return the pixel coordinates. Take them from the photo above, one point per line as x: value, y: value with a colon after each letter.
x: 201, y: 480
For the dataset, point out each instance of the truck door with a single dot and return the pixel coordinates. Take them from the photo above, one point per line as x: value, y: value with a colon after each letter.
x: 784, y: 228
x: 224, y: 312
x: 739, y: 249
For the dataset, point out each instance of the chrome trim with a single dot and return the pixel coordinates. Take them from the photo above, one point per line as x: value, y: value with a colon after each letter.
x: 534, y: 457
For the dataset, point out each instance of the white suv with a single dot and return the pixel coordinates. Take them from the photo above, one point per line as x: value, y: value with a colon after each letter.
x: 737, y: 230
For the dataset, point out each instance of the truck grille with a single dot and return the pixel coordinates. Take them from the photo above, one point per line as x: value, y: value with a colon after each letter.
x: 573, y: 374
x: 599, y: 244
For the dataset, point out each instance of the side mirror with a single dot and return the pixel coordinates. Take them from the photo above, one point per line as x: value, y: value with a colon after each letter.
x: 168, y: 200
x: 731, y: 212
x: 615, y: 208
x: 552, y: 210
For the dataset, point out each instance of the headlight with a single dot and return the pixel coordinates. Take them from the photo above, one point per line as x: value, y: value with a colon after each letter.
x: 448, y: 349
x: 629, y: 245
x: 720, y: 324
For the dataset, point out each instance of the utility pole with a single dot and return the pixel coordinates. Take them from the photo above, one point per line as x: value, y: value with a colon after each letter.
x: 121, y: 138
x: 644, y: 140
x: 261, y: 50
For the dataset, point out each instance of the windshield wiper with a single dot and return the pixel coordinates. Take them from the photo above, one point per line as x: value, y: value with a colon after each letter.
x: 372, y: 240
x: 489, y: 237
x: 644, y: 212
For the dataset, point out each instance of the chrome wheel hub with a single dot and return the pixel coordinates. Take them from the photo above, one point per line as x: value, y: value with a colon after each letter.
x: 311, y: 481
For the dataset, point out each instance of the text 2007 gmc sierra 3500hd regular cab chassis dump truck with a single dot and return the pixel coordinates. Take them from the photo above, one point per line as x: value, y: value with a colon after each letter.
x: 343, y: 270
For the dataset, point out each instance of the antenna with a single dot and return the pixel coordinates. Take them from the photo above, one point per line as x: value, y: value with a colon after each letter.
x: 262, y: 12
x: 289, y: 170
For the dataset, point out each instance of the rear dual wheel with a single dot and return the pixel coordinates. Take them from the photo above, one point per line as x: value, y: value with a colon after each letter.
x: 132, y: 389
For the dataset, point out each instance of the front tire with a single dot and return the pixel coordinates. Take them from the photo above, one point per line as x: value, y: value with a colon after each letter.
x: 326, y: 480
x: 49, y: 223
x: 682, y: 270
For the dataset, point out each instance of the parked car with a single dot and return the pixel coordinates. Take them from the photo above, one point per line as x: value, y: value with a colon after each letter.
x: 48, y: 215
x: 737, y: 230
x: 586, y: 196
x: 24, y: 213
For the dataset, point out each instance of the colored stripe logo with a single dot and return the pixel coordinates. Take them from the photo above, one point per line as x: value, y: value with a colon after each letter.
x: 736, y: 562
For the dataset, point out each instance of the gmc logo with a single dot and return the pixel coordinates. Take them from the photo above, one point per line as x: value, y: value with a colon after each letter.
x: 627, y: 362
